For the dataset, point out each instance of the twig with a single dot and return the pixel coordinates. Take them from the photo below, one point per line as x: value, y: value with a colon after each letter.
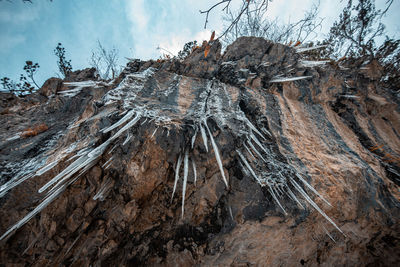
x: 211, y: 8
x: 160, y: 48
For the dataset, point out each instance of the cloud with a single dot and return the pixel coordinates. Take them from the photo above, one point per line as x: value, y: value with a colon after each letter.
x: 175, y: 42
x: 137, y: 14
x: 10, y: 41
x: 19, y: 16
x: 166, y: 24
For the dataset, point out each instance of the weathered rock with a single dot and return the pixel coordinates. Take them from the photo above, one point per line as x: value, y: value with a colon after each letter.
x: 51, y: 87
x: 7, y: 99
x: 81, y: 75
x: 337, y: 129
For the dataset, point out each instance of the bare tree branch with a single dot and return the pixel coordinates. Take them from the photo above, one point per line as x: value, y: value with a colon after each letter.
x: 389, y: 3
x: 247, y: 7
x: 105, y: 61
x: 165, y: 50
x: 207, y: 12
x: 254, y: 22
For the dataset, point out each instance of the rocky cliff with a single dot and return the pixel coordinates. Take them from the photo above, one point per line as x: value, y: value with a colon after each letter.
x: 256, y: 157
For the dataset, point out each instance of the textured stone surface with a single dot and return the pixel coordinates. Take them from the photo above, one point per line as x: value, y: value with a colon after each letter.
x: 347, y: 147
x: 51, y: 87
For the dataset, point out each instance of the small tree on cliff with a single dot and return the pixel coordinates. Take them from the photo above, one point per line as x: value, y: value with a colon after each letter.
x: 30, y: 70
x: 64, y: 65
x: 21, y: 89
x: 187, y: 49
x: 354, y: 33
x: 24, y: 87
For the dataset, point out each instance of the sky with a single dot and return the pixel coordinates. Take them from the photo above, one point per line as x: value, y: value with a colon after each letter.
x: 135, y: 27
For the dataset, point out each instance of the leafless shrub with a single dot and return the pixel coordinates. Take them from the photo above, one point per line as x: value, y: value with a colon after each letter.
x: 247, y: 7
x: 256, y: 23
x: 105, y: 61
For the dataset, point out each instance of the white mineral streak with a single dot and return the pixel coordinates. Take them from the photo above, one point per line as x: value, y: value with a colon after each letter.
x: 271, y: 190
x: 266, y: 132
x: 71, y: 92
x: 230, y: 213
x: 79, y: 153
x: 255, y: 150
x: 78, y: 165
x: 178, y: 166
x: 254, y: 128
x: 128, y: 89
x: 194, y: 138
x: 66, y: 173
x: 327, y: 232
x: 13, y: 183
x: 394, y: 171
x: 102, y: 193
x: 62, y: 180
x: 112, y: 149
x: 15, y: 137
x: 194, y: 171
x: 293, y: 196
x: 154, y: 132
x: 204, y: 136
x: 249, y: 151
x: 185, y: 176
x: 305, y: 49
x: 46, y: 168
x: 309, y: 200
x: 128, y: 138
x: 216, y: 152
x: 171, y: 88
x: 265, y: 64
x: 260, y: 181
x: 108, y: 166
x: 38, y: 209
x: 108, y: 161
x: 312, y: 189
x: 82, y: 84
x: 120, y: 122
x: 350, y: 96
x: 246, y: 163
x: 232, y: 63
x: 28, y: 168
x: 79, y: 86
x: 288, y: 79
x: 312, y: 63
x: 87, y: 159
x: 255, y: 139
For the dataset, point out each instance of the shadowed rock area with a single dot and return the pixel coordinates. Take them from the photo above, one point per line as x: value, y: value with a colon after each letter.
x: 253, y: 157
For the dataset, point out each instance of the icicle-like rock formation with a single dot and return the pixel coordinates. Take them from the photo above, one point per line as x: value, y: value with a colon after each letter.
x: 184, y: 151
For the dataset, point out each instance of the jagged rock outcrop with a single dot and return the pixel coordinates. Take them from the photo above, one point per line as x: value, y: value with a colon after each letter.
x: 279, y: 161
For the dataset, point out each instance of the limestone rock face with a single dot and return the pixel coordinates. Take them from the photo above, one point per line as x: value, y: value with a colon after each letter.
x: 256, y: 157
